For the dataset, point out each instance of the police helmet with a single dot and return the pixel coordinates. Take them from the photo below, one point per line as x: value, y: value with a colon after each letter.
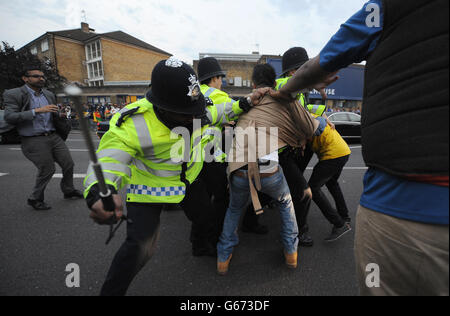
x: 294, y: 58
x: 209, y: 68
x: 175, y: 88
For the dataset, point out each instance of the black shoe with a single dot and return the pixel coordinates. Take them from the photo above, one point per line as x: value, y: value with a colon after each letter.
x: 337, y: 233
x: 304, y: 240
x: 39, y: 205
x: 258, y: 229
x: 75, y: 194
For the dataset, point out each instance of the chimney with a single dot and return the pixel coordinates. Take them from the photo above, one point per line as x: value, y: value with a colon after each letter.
x: 85, y: 27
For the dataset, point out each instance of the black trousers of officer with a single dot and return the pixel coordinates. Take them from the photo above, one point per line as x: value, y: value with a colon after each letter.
x: 143, y: 235
x: 214, y: 176
x: 294, y: 164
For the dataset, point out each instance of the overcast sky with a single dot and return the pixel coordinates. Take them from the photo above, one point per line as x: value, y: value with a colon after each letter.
x: 186, y: 28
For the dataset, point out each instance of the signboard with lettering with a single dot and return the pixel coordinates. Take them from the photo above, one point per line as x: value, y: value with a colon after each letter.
x: 349, y: 87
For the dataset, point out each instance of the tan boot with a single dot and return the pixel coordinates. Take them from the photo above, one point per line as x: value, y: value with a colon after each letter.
x: 222, y: 267
x: 291, y: 260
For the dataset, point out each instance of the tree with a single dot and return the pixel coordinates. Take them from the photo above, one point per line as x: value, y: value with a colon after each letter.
x: 12, y: 63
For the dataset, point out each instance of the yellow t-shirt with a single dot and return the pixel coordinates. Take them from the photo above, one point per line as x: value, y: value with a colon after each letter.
x: 330, y: 145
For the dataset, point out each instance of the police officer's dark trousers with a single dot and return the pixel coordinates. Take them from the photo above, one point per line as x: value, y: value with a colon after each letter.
x: 198, y: 208
x: 214, y: 175
x: 136, y: 251
x: 294, y: 165
x: 143, y: 234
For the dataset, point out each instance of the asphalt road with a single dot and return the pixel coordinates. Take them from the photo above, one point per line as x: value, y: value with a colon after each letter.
x: 36, y: 247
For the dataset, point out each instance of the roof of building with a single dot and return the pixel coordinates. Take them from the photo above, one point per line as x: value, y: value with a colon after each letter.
x: 82, y: 36
x: 126, y: 38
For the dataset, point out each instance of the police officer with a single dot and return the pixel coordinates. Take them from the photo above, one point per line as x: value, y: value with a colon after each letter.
x: 292, y: 60
x: 214, y: 174
x: 145, y: 151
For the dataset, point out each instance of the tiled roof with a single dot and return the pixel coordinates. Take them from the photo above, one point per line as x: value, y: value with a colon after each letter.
x: 120, y: 36
x: 126, y: 38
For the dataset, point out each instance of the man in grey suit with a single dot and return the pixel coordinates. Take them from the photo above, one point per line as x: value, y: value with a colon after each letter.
x: 32, y: 110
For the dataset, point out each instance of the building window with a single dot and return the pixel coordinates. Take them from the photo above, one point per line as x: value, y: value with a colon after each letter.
x: 44, y: 46
x: 93, y: 51
x: 99, y: 100
x: 33, y: 50
x: 95, y: 70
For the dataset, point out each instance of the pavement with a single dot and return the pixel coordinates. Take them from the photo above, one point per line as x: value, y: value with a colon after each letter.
x: 36, y: 248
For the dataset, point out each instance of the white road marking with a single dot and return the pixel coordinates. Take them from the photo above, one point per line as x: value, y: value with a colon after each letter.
x: 3, y: 174
x: 355, y: 147
x: 75, y: 176
x: 70, y: 149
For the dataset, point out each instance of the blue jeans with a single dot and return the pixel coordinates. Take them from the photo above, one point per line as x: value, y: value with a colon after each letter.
x: 277, y: 188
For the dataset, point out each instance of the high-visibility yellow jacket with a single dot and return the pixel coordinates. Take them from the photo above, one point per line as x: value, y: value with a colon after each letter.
x: 147, y: 157
x: 312, y: 108
x: 315, y: 109
x: 282, y: 81
x: 224, y: 107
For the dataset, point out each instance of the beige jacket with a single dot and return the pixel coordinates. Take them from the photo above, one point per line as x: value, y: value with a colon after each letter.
x: 266, y: 128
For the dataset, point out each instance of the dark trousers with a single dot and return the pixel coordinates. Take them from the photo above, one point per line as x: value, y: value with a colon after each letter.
x: 200, y: 211
x: 294, y: 164
x: 43, y: 152
x: 136, y: 251
x: 327, y: 173
x: 143, y: 234
x: 214, y: 176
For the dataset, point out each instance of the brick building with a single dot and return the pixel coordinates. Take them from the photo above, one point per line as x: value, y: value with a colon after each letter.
x: 111, y: 67
x: 239, y: 68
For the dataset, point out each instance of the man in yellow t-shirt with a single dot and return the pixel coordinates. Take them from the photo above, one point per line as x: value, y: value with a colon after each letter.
x: 333, y: 153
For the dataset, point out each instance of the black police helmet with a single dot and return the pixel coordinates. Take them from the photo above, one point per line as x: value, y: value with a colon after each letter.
x: 175, y: 88
x: 209, y: 68
x: 294, y: 58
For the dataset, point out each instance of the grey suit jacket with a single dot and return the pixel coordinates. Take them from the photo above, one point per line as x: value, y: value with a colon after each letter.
x: 17, y: 105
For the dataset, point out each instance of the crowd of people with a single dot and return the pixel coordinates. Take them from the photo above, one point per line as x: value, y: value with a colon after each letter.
x: 94, y: 112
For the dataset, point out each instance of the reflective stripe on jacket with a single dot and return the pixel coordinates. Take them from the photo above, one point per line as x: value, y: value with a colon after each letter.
x: 282, y: 81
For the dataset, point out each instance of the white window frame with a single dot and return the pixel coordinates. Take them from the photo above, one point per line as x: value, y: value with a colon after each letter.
x: 93, y: 51
x: 33, y: 50
x: 44, y: 45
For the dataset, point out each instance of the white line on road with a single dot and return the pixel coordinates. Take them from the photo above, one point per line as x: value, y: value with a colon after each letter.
x: 3, y: 174
x: 73, y: 150
x: 75, y: 176
x: 355, y: 147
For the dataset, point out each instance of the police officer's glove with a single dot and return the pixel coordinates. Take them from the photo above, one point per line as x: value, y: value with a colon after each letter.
x: 98, y: 213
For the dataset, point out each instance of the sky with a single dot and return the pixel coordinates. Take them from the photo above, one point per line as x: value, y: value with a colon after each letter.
x: 186, y: 28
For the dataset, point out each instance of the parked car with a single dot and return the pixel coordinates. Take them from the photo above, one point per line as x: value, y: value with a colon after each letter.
x: 7, y: 135
x: 347, y: 124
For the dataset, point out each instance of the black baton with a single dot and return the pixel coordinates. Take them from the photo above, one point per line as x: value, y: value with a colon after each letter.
x: 108, y: 202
